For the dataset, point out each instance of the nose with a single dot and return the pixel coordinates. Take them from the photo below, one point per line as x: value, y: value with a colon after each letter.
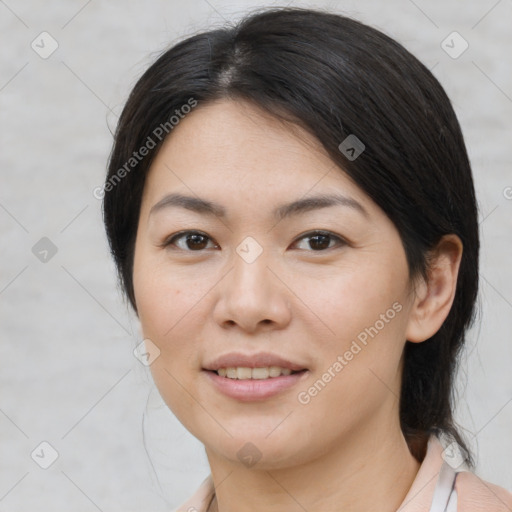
x: 252, y: 298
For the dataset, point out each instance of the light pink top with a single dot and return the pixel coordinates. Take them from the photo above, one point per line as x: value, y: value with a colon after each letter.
x: 436, y: 488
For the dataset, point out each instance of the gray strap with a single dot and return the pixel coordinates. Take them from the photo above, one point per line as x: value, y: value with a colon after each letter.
x: 444, y: 488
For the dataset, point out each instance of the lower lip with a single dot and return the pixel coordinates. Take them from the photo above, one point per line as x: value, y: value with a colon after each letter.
x: 248, y: 390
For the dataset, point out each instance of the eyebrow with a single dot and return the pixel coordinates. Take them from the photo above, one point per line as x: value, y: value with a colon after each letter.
x: 300, y: 206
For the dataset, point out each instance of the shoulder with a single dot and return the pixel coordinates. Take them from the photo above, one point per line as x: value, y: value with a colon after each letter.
x: 475, y: 494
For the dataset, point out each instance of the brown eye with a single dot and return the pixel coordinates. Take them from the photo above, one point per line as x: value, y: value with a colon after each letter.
x: 319, y: 241
x: 189, y: 241
x: 196, y: 242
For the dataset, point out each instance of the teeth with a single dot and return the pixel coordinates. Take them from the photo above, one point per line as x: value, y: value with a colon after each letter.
x: 260, y: 373
x: 274, y: 371
x: 244, y: 372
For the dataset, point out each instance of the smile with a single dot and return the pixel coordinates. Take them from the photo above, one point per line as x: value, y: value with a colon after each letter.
x: 244, y: 372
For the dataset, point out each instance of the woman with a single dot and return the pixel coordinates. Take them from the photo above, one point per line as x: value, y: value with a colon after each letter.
x: 291, y: 210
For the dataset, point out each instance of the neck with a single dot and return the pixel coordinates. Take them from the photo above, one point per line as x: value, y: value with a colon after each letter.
x: 371, y: 466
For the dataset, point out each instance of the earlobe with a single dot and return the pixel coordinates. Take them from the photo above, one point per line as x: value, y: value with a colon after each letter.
x: 434, y: 298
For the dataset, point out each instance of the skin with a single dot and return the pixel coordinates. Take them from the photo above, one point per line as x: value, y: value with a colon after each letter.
x: 343, y: 450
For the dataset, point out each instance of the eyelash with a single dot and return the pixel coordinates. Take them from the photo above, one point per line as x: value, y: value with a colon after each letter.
x: 310, y: 234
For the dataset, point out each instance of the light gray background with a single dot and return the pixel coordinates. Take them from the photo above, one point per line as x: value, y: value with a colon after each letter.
x: 68, y: 375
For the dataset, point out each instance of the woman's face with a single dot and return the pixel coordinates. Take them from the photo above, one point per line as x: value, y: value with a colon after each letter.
x: 255, y: 251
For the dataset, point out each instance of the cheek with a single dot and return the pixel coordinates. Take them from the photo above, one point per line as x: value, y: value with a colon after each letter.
x: 354, y: 299
x: 166, y: 297
x: 169, y: 317
x: 359, y: 371
x: 173, y: 310
x: 364, y: 306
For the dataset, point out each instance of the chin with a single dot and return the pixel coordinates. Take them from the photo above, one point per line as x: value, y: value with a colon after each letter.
x: 259, y: 451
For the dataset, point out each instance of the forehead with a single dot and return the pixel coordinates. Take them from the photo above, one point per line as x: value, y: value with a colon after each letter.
x: 230, y: 133
x: 232, y: 148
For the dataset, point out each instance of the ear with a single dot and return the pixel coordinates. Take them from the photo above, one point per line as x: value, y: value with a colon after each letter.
x: 434, y: 299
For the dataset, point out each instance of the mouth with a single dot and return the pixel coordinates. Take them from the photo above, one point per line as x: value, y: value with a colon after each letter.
x: 261, y: 365
x: 261, y: 373
x: 252, y: 378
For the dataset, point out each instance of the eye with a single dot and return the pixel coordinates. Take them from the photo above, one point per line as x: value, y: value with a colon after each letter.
x: 319, y: 241
x: 189, y: 241
x: 196, y: 241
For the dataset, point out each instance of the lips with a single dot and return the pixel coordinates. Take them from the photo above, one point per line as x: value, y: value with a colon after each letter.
x: 258, y: 360
x: 270, y: 375
x: 250, y: 390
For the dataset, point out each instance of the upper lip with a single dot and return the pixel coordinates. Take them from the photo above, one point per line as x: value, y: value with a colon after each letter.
x: 259, y: 360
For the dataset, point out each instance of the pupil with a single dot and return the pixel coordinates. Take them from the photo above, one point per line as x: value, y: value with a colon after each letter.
x: 318, y: 242
x: 196, y: 241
